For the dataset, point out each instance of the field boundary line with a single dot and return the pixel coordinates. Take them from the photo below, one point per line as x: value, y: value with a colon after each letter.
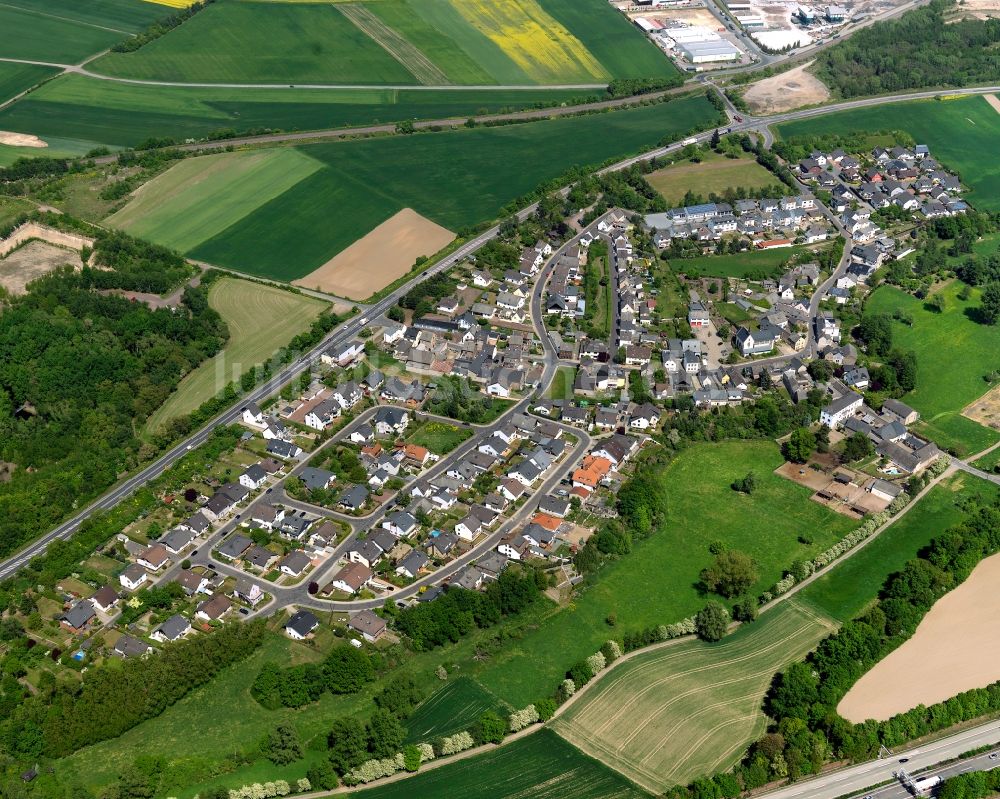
x: 404, y: 51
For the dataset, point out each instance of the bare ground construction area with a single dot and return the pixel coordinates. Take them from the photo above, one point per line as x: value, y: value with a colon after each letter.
x: 784, y: 92
x: 986, y: 409
x: 955, y: 648
x: 20, y: 139
x: 34, y: 259
x: 380, y: 257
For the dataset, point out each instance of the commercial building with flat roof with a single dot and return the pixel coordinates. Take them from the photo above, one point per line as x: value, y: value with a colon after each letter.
x: 708, y: 52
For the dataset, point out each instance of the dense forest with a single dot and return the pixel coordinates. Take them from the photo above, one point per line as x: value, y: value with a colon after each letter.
x: 917, y: 50
x: 80, y: 371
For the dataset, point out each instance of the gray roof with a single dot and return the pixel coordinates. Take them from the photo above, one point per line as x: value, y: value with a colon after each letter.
x: 354, y: 497
x: 235, y: 546
x: 296, y: 561
x: 413, y: 562
x: 177, y: 539
x: 81, y: 613
x: 129, y: 647
x: 303, y: 622
x: 174, y: 627
x: 313, y: 478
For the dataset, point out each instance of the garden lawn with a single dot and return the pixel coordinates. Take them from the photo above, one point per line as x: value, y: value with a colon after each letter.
x: 34, y: 34
x: 250, y: 42
x: 449, y: 177
x: 681, y: 711
x: 961, y: 132
x: 655, y: 583
x: 540, y: 765
x: 261, y: 319
x: 850, y: 585
x: 741, y: 265
x: 456, y: 707
x: 438, y: 437
x: 562, y: 383
x: 124, y: 115
x: 971, y: 348
x: 714, y: 174
x: 198, y: 198
x: 15, y: 78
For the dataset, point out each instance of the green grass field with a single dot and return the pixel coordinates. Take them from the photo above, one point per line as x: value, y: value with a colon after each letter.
x: 261, y: 319
x: 844, y: 591
x: 941, y: 394
x: 450, y: 178
x: 562, y: 383
x: 740, y: 265
x: 98, y: 112
x: 655, y: 584
x: 198, y: 198
x: 714, y: 174
x: 398, y: 42
x: 456, y: 707
x: 438, y: 437
x: 16, y: 78
x: 686, y: 710
x: 961, y: 133
x: 125, y: 16
x: 11, y: 208
x: 540, y: 765
x: 249, y: 42
x: 35, y: 34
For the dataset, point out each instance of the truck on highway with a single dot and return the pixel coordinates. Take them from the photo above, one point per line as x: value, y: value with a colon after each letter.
x: 689, y: 141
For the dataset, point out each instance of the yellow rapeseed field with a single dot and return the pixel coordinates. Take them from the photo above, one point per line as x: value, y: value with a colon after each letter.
x: 172, y: 3
x: 532, y: 39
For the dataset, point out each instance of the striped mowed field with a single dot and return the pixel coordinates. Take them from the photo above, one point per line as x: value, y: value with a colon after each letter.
x: 685, y: 710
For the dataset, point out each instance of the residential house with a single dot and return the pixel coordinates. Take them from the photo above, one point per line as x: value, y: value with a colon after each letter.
x: 283, y: 449
x: 323, y: 414
x: 105, y: 598
x: 234, y: 547
x: 133, y: 577
x: 154, y: 558
x: 371, y: 627
x: 295, y: 563
x: 351, y: 578
x: 390, y: 421
x: 301, y: 625
x: 214, y: 609
x: 173, y: 629
x: 841, y: 409
x: 412, y: 564
x: 79, y: 617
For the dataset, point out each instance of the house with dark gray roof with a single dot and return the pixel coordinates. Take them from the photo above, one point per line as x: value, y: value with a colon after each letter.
x: 234, y: 547
x: 411, y: 565
x: 316, y: 479
x: 173, y: 629
x: 128, y: 647
x: 294, y: 563
x: 79, y: 617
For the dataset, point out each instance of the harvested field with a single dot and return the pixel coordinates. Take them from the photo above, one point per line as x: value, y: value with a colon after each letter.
x: 34, y: 259
x: 792, y: 89
x: 955, y: 648
x: 380, y: 257
x: 676, y: 713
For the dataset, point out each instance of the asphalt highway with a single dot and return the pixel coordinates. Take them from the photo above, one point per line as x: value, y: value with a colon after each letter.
x: 855, y: 781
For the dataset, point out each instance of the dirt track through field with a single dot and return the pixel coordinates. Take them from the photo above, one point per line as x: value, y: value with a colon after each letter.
x: 423, y: 69
x: 994, y: 101
x: 955, y: 648
x: 377, y: 259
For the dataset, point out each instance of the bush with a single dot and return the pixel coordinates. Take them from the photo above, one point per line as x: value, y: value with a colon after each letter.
x: 712, y: 622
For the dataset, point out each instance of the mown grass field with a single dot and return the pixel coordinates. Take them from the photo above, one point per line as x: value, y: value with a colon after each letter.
x: 714, y: 174
x: 847, y: 588
x: 740, y: 265
x: 198, y: 198
x: 971, y: 348
x: 456, y: 707
x: 682, y: 711
x: 16, y: 78
x: 562, y: 383
x: 540, y: 765
x: 656, y: 582
x: 438, y: 437
x: 961, y: 132
x: 99, y: 112
x: 399, y: 42
x: 452, y: 178
x: 261, y: 319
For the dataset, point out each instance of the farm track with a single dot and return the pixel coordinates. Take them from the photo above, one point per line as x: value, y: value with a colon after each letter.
x: 423, y: 69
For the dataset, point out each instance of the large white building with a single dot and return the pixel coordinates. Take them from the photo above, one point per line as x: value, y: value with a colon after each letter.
x: 709, y: 52
x: 841, y: 409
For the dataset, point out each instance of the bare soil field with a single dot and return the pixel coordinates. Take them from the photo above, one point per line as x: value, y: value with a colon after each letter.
x: 380, y: 257
x: 994, y: 101
x: 786, y: 91
x: 20, y: 139
x: 955, y: 648
x: 986, y: 409
x: 976, y: 9
x: 34, y: 259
